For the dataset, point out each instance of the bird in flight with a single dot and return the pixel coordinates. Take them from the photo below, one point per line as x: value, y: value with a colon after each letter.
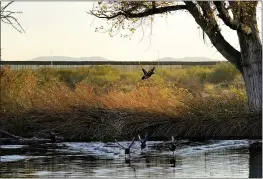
x: 173, y: 146
x: 147, y: 74
x: 143, y: 142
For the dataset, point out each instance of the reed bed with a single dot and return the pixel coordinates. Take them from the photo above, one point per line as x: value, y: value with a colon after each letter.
x: 101, y: 103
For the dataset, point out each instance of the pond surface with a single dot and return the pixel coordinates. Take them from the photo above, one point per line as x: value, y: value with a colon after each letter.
x: 231, y: 158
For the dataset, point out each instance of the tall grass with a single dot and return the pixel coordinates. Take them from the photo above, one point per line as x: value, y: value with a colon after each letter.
x: 191, y: 94
x: 166, y: 91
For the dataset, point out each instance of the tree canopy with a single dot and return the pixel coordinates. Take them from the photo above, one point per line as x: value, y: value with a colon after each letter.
x: 237, y: 15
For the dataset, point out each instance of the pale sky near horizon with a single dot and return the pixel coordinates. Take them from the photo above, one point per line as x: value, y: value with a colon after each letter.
x: 64, y: 28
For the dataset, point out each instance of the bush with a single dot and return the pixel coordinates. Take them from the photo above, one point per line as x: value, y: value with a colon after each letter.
x: 223, y: 73
x: 102, y: 77
x: 199, y: 72
x: 71, y: 78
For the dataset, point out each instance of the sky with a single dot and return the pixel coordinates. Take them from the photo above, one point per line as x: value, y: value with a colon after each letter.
x: 65, y: 29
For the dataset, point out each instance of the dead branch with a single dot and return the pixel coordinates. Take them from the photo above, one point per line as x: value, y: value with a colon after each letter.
x: 11, y: 135
x: 8, y: 17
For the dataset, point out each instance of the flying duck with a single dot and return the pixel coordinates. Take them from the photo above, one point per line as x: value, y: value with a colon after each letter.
x: 126, y: 149
x: 143, y: 142
x: 173, y: 146
x: 147, y: 74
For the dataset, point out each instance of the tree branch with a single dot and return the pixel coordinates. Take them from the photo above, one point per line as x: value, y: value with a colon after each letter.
x: 191, y: 7
x: 214, y: 34
x: 206, y: 19
x: 207, y: 11
x: 224, y: 15
x: 8, y: 18
x: 4, y: 7
x: 147, y: 12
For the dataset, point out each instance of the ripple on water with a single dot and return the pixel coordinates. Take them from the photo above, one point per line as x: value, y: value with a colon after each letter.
x: 12, y: 146
x: 204, y: 160
x: 11, y: 158
x: 113, y: 151
x: 104, y: 150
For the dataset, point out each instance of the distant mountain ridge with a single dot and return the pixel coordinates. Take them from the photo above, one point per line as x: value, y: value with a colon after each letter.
x: 65, y: 58
x: 188, y: 59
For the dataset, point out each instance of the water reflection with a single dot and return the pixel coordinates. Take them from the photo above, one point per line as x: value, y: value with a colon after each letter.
x: 173, y: 161
x: 231, y: 163
x: 255, y: 161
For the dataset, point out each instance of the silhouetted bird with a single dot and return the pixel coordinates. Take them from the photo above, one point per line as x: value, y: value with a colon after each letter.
x: 143, y: 142
x: 52, y: 137
x: 173, y: 146
x: 147, y: 74
x: 126, y: 149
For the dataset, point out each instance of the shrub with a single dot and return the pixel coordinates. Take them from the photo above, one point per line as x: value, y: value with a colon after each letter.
x: 72, y: 77
x: 223, y: 72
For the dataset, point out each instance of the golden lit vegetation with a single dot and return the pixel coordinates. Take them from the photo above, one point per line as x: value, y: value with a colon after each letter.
x: 167, y: 91
x: 192, y: 94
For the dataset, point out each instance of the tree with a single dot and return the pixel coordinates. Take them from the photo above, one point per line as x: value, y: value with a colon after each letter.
x: 8, y: 17
x: 240, y: 16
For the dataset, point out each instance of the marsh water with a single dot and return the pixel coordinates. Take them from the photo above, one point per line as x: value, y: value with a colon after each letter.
x: 229, y: 158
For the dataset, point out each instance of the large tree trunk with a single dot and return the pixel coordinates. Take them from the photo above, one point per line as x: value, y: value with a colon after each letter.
x: 252, y: 74
x: 251, y: 61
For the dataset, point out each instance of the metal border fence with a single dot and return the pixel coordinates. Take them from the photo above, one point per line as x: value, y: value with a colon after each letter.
x: 129, y: 66
x: 108, y: 63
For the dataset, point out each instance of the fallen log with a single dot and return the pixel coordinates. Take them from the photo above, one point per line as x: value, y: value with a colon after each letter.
x: 11, y: 135
x: 25, y: 141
